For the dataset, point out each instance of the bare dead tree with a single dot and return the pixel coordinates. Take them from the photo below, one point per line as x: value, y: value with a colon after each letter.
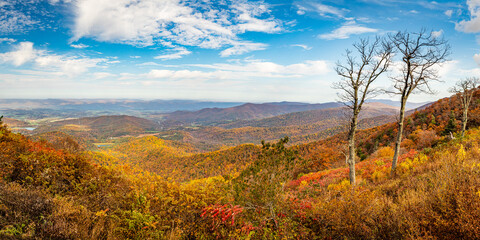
x: 419, y: 53
x: 361, y: 68
x: 464, y: 89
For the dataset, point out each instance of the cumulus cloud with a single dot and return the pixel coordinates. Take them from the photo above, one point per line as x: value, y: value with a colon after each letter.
x: 472, y: 25
x: 476, y: 57
x: 345, y: 31
x: 21, y: 54
x: 24, y: 53
x: 179, y: 52
x: 437, y: 34
x: 148, y: 22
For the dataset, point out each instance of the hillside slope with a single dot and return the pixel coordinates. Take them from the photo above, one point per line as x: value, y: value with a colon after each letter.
x: 301, y: 127
x: 337, y: 114
x: 101, y: 127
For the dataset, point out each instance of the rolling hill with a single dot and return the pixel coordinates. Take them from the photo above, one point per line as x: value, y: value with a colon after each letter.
x: 301, y: 127
x: 11, y: 122
x: 337, y: 114
x: 102, y: 127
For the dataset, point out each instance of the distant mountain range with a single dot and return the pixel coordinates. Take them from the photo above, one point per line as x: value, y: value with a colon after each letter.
x: 119, y: 106
x: 248, y: 111
x: 296, y: 118
x: 111, y: 104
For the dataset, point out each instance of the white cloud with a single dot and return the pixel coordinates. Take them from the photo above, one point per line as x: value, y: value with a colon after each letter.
x: 24, y: 53
x: 135, y: 57
x: 305, y: 47
x: 7, y: 40
x: 473, y: 25
x: 442, y: 70
x: 345, y: 31
x: 79, y: 46
x: 449, y: 13
x: 21, y: 54
x: 149, y: 64
x: 243, y: 71
x: 150, y: 22
x: 446, y: 68
x: 12, y: 20
x: 242, y: 47
x: 320, y: 9
x: 476, y: 57
x: 180, y: 52
x: 101, y: 75
x: 270, y: 69
x: 248, y: 18
x: 181, y: 74
x: 437, y: 34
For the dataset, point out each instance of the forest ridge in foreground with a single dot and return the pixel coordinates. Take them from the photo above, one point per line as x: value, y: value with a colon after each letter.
x: 58, y: 190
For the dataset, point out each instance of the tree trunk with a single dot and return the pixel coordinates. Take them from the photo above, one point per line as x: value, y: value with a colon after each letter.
x: 351, y: 148
x: 398, y: 141
x: 464, y: 120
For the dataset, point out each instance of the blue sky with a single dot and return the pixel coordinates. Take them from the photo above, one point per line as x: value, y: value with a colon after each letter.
x: 257, y: 51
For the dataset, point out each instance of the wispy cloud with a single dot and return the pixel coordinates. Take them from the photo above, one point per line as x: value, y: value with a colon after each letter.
x: 179, y: 52
x: 79, y: 46
x: 346, y: 30
x: 203, y: 24
x: 242, y: 47
x: 24, y: 53
x: 7, y: 40
x: 305, y: 47
x: 260, y: 68
x: 102, y: 75
x: 320, y: 8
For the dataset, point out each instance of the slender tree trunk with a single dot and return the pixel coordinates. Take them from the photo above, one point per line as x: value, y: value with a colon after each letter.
x: 464, y: 120
x: 398, y: 141
x: 351, y: 148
